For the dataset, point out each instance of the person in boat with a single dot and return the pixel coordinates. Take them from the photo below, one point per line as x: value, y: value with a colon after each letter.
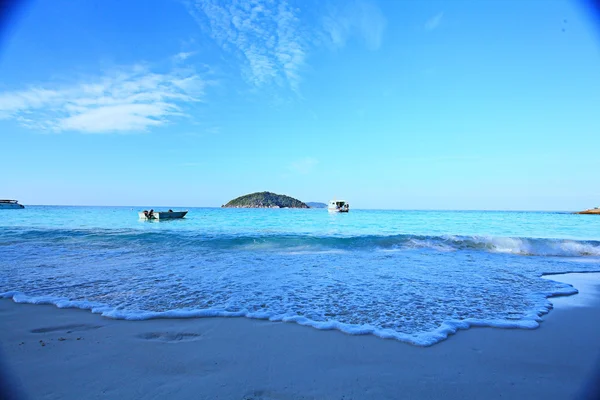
x: 151, y: 213
x: 170, y: 210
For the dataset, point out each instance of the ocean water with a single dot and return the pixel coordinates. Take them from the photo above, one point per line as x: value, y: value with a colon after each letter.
x: 416, y: 276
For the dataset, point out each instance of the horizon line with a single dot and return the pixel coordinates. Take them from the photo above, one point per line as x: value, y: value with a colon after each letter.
x: 361, y: 209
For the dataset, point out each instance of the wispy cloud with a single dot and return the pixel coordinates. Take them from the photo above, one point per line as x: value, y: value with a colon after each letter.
x: 304, y: 166
x: 434, y: 22
x: 264, y: 34
x: 359, y: 18
x: 131, y: 99
x: 271, y: 40
x: 184, y: 55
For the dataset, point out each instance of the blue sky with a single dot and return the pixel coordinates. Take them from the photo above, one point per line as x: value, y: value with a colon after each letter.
x: 388, y: 104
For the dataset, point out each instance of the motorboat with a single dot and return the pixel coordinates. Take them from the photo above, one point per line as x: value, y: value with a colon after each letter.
x: 151, y: 215
x: 10, y: 204
x: 338, y: 206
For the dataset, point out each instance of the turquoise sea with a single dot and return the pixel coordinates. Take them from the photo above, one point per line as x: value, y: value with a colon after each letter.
x: 416, y: 276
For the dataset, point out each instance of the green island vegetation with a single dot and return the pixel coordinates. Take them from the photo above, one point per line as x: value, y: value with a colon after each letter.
x: 265, y: 200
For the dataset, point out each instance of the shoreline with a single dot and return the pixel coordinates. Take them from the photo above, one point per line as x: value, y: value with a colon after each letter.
x: 65, y: 353
x: 431, y: 338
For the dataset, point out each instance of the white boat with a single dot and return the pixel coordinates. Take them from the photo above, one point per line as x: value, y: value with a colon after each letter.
x: 10, y: 204
x: 162, y: 214
x: 338, y: 206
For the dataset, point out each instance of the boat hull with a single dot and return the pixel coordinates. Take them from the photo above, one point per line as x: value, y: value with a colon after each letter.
x: 337, y: 210
x: 164, y: 215
x: 10, y: 206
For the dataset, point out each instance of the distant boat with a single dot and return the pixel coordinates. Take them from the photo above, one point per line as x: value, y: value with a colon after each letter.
x: 10, y: 204
x: 162, y: 214
x: 338, y: 206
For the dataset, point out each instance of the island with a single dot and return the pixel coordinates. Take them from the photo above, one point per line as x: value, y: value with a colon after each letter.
x: 265, y: 200
x: 314, y: 204
x: 590, y: 211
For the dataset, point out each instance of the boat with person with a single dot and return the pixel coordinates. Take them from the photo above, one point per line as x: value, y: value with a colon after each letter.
x: 10, y: 204
x: 158, y: 215
x: 338, y: 206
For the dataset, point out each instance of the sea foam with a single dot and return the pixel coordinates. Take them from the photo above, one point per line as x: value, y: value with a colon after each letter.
x: 428, y: 338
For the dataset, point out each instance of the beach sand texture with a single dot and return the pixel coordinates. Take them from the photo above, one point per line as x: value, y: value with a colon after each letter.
x: 52, y: 353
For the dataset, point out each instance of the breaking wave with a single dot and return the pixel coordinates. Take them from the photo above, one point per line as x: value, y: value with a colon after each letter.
x: 298, y: 244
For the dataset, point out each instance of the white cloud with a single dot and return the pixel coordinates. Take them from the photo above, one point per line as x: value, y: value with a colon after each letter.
x: 358, y: 18
x: 433, y: 22
x: 264, y: 34
x: 129, y: 99
x: 304, y: 166
x: 184, y: 55
x: 124, y: 117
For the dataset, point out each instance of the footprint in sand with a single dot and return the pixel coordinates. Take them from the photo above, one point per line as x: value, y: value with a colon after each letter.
x: 66, y: 328
x: 266, y: 395
x: 170, y: 337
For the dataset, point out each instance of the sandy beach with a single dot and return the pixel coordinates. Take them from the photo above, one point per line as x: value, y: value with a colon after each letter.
x: 51, y: 353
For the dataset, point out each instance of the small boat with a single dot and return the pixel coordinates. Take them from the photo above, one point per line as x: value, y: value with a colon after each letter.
x: 162, y: 214
x: 338, y: 206
x: 10, y: 204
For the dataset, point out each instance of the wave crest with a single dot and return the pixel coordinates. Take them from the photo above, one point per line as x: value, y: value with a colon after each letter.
x: 507, y: 245
x: 296, y: 244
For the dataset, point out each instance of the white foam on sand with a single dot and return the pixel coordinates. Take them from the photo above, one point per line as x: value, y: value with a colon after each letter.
x: 447, y: 328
